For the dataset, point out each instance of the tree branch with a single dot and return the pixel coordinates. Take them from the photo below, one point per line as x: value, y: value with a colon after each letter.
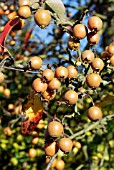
x: 19, y: 69
x: 52, y: 159
x: 92, y: 126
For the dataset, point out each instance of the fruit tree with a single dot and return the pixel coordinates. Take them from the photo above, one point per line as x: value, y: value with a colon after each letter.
x: 56, y: 85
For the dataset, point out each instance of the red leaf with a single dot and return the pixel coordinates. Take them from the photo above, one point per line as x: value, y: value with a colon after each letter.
x: 27, y: 37
x: 29, y: 125
x: 6, y: 31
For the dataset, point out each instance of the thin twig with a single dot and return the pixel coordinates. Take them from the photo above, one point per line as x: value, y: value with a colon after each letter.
x: 52, y: 159
x: 4, y: 110
x: 67, y: 116
x: 21, y: 70
x: 85, y: 94
x: 2, y: 63
x: 8, y: 52
x: 92, y: 126
x: 102, y: 160
x: 79, y: 167
x: 4, y: 60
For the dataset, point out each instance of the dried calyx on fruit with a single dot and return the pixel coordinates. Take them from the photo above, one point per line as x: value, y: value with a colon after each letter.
x: 73, y: 44
x: 42, y: 18
x: 48, y: 75
x: 88, y: 56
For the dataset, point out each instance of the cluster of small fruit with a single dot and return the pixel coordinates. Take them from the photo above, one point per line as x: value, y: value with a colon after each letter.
x: 108, y: 54
x: 7, y: 10
x: 80, y: 31
x: 93, y: 79
x: 88, y: 56
x: 5, y: 91
x: 55, y: 140
x: 10, y: 13
x: 12, y: 108
x: 36, y: 138
x: 55, y: 130
x: 34, y: 151
x: 58, y: 162
x: 42, y: 17
x: 47, y: 85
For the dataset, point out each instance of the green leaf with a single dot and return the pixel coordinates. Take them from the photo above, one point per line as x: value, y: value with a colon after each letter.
x: 34, y: 4
x: 58, y: 7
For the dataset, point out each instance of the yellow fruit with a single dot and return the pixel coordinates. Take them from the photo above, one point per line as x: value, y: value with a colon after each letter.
x: 18, y: 109
x: 75, y: 150
x: 73, y: 44
x: 100, y: 148
x: 32, y: 152
x: 14, y: 161
x: 40, y: 124
x: 3, y: 145
x: 60, y: 164
x: 7, y: 131
x: 77, y: 144
x: 7, y: 92
x: 1, y: 77
x: 35, y: 141
x: 10, y: 106
x: 1, y: 89
x: 12, y: 15
x: 19, y: 137
x: 111, y: 143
